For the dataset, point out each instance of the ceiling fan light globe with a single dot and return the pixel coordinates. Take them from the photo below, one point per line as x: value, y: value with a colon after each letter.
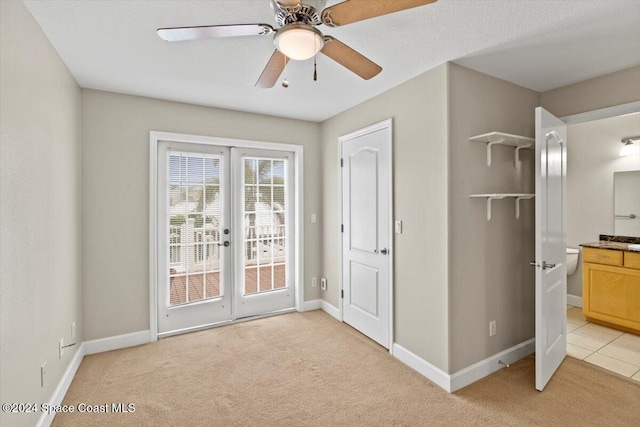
x: 299, y: 41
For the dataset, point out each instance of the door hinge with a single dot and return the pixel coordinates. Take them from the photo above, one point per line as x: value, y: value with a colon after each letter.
x: 341, y: 293
x: 342, y: 228
x: 341, y: 162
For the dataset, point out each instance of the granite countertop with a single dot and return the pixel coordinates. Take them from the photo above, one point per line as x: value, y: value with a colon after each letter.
x: 614, y: 246
x: 615, y: 243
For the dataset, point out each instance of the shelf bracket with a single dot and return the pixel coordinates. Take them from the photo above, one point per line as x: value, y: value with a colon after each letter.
x: 489, y: 199
x: 518, y: 148
x: 518, y: 203
x: 489, y: 145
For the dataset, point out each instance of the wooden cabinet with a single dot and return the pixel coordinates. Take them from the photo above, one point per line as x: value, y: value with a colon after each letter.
x: 611, y: 288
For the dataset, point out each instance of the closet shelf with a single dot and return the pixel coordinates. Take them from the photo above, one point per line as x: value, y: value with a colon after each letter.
x: 500, y: 196
x: 500, y: 138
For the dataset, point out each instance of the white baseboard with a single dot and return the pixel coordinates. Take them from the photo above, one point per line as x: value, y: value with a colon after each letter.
x: 116, y: 342
x: 330, y: 309
x: 86, y: 348
x: 61, y: 390
x: 489, y: 365
x: 314, y: 304
x: 574, y: 300
x: 468, y: 375
x: 423, y: 367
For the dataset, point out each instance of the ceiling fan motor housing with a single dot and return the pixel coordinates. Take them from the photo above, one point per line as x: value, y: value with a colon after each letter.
x: 290, y: 12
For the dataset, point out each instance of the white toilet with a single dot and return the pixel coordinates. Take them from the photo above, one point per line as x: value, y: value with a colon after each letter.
x: 572, y: 260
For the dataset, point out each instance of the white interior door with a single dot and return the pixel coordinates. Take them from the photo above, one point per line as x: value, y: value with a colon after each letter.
x: 366, y: 239
x: 264, y: 235
x: 551, y: 278
x: 194, y: 274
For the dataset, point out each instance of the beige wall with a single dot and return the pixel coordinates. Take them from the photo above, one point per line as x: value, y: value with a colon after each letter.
x: 489, y: 273
x: 419, y: 113
x: 115, y: 161
x: 606, y: 91
x: 593, y: 155
x: 39, y: 212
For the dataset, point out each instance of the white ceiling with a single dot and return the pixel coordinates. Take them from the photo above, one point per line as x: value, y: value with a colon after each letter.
x: 540, y: 44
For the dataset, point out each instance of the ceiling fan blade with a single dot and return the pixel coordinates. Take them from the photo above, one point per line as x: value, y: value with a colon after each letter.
x: 358, y: 10
x: 349, y: 58
x: 272, y: 71
x: 213, y: 31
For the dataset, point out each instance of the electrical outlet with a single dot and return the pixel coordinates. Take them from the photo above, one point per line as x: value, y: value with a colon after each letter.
x: 492, y: 328
x: 60, y: 348
x: 314, y: 218
x: 314, y: 282
x: 73, y: 330
x: 398, y: 226
x: 323, y: 283
x: 43, y: 373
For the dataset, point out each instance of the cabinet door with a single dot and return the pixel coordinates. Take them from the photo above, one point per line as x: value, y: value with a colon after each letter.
x: 612, y: 294
x: 632, y: 260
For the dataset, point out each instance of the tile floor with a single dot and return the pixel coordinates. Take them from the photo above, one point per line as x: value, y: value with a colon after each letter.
x: 608, y: 348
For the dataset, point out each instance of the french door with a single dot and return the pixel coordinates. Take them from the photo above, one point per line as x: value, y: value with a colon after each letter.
x: 224, y: 234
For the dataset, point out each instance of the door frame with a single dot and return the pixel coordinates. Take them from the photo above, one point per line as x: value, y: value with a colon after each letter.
x: 298, y: 223
x: 388, y: 123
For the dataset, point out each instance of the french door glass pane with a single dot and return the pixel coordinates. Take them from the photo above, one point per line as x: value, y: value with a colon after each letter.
x: 195, y: 218
x: 265, y: 224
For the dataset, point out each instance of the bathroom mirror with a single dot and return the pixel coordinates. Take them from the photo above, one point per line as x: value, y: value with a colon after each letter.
x: 626, y: 203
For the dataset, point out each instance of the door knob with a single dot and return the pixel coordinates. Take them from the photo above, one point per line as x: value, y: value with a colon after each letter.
x: 225, y: 244
x: 384, y: 251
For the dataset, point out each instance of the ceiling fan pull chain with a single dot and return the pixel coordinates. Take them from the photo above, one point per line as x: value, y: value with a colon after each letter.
x: 315, y: 57
x: 315, y: 70
x: 285, y: 82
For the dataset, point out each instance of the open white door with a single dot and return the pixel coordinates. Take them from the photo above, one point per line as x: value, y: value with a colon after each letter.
x: 551, y: 278
x: 366, y: 238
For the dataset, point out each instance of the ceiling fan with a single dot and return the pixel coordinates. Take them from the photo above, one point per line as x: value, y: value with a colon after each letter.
x: 298, y: 38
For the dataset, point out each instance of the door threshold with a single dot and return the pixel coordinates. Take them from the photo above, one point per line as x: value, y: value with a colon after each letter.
x: 224, y: 323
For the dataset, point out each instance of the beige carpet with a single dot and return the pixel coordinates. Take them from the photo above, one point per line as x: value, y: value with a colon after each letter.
x: 308, y: 369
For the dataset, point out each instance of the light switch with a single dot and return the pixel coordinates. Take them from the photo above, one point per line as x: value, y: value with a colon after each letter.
x: 314, y: 218
x: 398, y: 225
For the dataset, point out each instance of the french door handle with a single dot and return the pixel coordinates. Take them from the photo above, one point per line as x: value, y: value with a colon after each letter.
x: 545, y: 265
x: 382, y: 251
x: 225, y: 244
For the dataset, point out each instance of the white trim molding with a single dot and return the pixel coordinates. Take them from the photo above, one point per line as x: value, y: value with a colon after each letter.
x: 314, y: 304
x: 485, y: 367
x: 46, y: 419
x: 331, y: 310
x: 574, y: 300
x: 415, y: 362
x: 116, y: 342
x: 468, y: 375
